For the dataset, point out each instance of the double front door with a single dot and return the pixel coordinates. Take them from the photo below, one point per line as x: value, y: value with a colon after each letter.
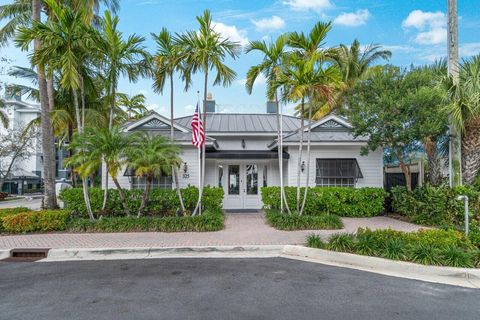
x: 241, y: 183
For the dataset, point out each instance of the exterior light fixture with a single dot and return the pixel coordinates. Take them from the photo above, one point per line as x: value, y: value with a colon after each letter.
x: 185, y: 167
x: 243, y: 143
x: 302, y: 166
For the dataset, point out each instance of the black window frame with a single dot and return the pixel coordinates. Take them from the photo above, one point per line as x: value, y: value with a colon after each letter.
x: 339, y: 175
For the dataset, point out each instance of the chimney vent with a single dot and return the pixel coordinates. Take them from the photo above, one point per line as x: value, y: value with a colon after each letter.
x: 210, y: 103
x: 272, y: 106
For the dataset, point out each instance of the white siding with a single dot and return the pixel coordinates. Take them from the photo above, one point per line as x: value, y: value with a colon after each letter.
x: 251, y: 143
x: 371, y: 165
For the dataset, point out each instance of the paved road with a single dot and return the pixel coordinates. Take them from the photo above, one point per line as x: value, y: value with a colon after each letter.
x: 222, y: 289
x: 32, y: 203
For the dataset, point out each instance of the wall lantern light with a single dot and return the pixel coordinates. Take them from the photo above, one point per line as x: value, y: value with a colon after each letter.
x: 302, y: 166
x: 185, y: 167
x: 243, y: 143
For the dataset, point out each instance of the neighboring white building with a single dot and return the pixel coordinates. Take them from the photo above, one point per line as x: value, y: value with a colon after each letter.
x: 242, y: 155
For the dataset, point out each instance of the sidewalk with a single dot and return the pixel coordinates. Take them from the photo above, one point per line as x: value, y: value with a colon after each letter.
x: 240, y: 229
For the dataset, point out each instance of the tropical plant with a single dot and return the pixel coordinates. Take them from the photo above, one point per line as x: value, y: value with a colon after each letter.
x: 203, y: 51
x: 168, y: 60
x: 270, y: 67
x: 3, y: 115
x: 134, y: 106
x: 465, y: 112
x: 151, y: 156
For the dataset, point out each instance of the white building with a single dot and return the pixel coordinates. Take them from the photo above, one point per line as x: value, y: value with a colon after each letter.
x: 242, y: 155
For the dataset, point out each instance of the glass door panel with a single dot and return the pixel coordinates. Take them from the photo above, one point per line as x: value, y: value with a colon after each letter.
x: 252, y: 179
x: 234, y: 179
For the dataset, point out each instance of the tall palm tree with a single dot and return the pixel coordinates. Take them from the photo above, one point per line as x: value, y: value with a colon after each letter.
x: 3, y: 116
x: 168, y: 60
x: 134, y: 106
x: 304, y: 78
x: 151, y: 156
x: 270, y: 67
x: 465, y: 114
x: 205, y: 50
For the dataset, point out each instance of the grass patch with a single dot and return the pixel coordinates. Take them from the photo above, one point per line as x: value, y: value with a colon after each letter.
x: 428, y: 247
x: 305, y: 222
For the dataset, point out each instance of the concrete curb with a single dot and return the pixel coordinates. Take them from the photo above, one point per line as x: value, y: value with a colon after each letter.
x: 163, y: 252
x: 4, y: 254
x: 463, y: 277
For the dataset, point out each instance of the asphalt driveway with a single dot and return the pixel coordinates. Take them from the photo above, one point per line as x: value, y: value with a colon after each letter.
x: 273, y: 288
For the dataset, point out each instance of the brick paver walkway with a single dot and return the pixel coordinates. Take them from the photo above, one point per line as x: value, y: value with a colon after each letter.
x: 240, y: 229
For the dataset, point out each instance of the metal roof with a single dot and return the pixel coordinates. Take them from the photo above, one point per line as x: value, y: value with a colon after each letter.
x: 326, y: 136
x: 244, y: 122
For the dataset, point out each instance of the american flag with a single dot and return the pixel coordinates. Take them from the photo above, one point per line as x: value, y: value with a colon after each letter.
x: 198, y: 134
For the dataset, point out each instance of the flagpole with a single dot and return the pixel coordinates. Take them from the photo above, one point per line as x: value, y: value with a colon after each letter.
x: 199, y: 165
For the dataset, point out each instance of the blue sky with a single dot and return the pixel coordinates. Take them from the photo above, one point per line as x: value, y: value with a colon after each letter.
x: 414, y: 30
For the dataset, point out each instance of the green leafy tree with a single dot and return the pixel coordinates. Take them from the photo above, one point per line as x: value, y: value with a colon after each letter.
x: 205, y: 50
x: 134, y: 106
x: 151, y: 156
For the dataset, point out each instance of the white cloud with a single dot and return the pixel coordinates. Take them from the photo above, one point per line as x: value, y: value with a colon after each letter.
x: 190, y: 108
x: 431, y: 26
x: 353, y: 19
x: 157, y: 108
x: 231, y: 32
x: 469, y: 49
x: 261, y: 80
x: 273, y: 23
x: 305, y: 5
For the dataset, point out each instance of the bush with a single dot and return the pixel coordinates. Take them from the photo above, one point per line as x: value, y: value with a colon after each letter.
x: 295, y: 222
x: 345, y: 202
x: 162, y: 202
x: 431, y: 247
x: 209, y: 221
x: 11, y: 211
x: 31, y: 221
x: 435, y: 206
x: 3, y: 195
x: 314, y: 241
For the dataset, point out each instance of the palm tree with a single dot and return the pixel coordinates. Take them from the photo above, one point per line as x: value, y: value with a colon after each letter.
x: 106, y: 145
x: 134, y: 105
x: 465, y: 114
x: 18, y: 13
x: 270, y: 67
x: 3, y: 116
x: 168, y: 60
x: 202, y: 51
x: 304, y: 78
x: 151, y: 156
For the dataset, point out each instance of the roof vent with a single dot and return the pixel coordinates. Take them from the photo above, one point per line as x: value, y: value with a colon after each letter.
x: 210, y: 103
x: 272, y: 106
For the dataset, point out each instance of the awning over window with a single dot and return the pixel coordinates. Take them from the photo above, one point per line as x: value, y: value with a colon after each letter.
x: 338, y: 168
x: 244, y: 154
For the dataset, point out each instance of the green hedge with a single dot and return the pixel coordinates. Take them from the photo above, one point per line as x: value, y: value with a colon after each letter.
x: 209, y: 221
x: 295, y: 222
x: 32, y: 221
x: 11, y: 211
x: 162, y: 202
x: 430, y: 247
x: 435, y: 206
x: 344, y: 202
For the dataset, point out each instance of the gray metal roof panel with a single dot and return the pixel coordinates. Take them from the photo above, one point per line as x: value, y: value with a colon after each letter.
x: 326, y: 136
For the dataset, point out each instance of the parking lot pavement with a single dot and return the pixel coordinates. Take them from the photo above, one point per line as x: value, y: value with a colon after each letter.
x: 33, y: 203
x: 269, y: 288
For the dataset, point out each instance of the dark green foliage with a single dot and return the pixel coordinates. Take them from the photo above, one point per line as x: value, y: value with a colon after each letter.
x: 163, y: 202
x: 436, y: 206
x: 342, y: 242
x: 295, y: 222
x: 314, y: 241
x: 209, y: 221
x: 344, y: 202
x: 32, y: 221
x: 432, y: 247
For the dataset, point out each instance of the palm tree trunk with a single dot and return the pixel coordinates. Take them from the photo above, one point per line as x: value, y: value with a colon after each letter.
x: 145, y: 197
x: 48, y: 139
x: 307, y: 184
x: 51, y: 93
x: 434, y: 161
x: 406, y: 171
x: 121, y: 194
x: 198, y: 207
x: 110, y: 125
x: 77, y: 110
x: 471, y: 150
x: 174, y: 169
x: 87, y: 198
x: 300, y: 149
x: 283, y: 199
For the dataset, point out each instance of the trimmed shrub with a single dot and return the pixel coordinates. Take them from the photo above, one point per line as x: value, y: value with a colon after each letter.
x: 162, y: 202
x: 11, y: 211
x: 314, y: 241
x: 209, y: 221
x: 431, y: 247
x: 344, y: 202
x: 31, y: 221
x: 295, y: 222
x: 435, y: 206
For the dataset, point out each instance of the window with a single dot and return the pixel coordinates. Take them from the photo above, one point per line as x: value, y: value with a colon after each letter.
x: 220, y: 176
x: 162, y: 182
x: 337, y: 172
x: 234, y: 179
x: 252, y: 179
x: 265, y: 175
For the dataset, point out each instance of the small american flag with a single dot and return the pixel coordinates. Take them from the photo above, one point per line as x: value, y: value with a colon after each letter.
x: 198, y: 134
